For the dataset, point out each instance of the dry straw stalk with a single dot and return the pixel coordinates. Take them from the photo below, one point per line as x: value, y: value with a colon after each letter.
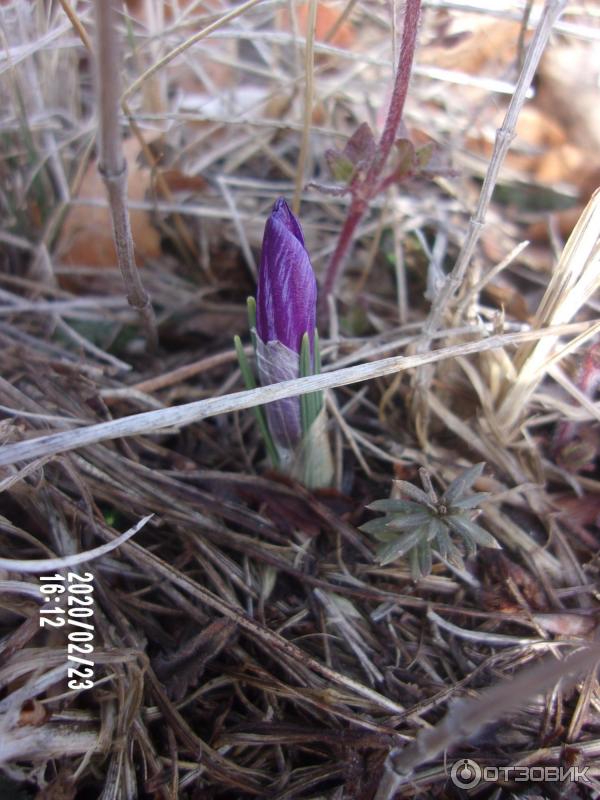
x: 575, y: 278
x: 154, y: 421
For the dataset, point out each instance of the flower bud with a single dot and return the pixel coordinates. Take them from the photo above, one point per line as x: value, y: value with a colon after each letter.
x: 285, y: 311
x: 287, y: 290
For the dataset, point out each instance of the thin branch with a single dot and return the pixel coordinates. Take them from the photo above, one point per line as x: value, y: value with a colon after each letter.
x: 112, y: 165
x: 309, y: 65
x: 369, y: 187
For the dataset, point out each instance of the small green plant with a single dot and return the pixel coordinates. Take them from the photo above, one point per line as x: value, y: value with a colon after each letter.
x: 425, y: 521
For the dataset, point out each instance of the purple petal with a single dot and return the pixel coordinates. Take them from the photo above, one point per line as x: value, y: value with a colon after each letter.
x: 287, y: 289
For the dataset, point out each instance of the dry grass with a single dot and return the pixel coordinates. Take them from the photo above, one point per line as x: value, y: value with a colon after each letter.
x: 247, y: 642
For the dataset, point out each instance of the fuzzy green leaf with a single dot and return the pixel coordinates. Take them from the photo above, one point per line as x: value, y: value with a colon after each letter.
x: 385, y: 535
x: 434, y: 528
x: 401, y: 545
x: 455, y: 556
x: 375, y: 526
x: 423, y: 155
x: 415, y: 567
x: 413, y: 493
x: 472, y: 501
x: 251, y: 310
x: 443, y: 541
x: 462, y: 483
x: 259, y: 413
x: 393, y: 506
x: 407, y: 158
x: 310, y: 404
x: 467, y: 528
x: 424, y: 553
x: 340, y: 166
x: 402, y: 522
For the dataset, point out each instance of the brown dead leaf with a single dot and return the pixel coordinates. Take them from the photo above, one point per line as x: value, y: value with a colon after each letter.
x: 328, y: 16
x: 61, y: 788
x: 86, y: 237
x: 500, y: 573
x: 588, y: 179
x: 569, y: 91
x: 177, y: 181
x: 191, y: 16
x: 565, y: 624
x: 507, y: 296
x: 183, y: 668
x: 33, y: 713
x: 537, y: 137
x: 477, y: 47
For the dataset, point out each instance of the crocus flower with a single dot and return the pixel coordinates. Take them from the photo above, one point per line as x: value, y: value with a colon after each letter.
x: 285, y: 311
x: 287, y: 289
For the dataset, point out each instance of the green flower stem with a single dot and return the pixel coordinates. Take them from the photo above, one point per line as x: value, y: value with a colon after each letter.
x: 310, y: 404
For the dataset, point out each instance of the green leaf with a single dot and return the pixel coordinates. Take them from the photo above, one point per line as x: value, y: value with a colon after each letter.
x: 407, y: 158
x: 259, y: 412
x: 376, y: 526
x: 424, y: 553
x: 311, y: 403
x: 467, y: 528
x: 393, y: 506
x: 415, y: 567
x: 471, y: 501
x: 413, y: 492
x: 251, y: 311
x: 434, y: 528
x: 317, y: 396
x: 317, y: 345
x: 455, y: 556
x: 385, y: 535
x: 305, y: 370
x: 401, y: 522
x: 340, y: 166
x: 400, y: 546
x: 443, y: 541
x: 423, y: 155
x: 462, y: 483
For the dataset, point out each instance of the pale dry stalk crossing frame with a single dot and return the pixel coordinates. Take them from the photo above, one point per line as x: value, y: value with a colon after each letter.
x: 155, y: 421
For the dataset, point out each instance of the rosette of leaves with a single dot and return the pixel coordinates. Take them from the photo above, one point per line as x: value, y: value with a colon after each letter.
x: 424, y: 523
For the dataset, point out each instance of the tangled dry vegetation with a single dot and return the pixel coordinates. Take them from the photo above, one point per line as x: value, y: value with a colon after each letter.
x: 248, y: 643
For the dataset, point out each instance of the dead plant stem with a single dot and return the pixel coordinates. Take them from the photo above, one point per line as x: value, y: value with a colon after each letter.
x: 309, y: 64
x: 112, y: 164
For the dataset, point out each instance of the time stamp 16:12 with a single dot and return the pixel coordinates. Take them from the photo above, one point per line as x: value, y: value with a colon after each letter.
x: 70, y: 601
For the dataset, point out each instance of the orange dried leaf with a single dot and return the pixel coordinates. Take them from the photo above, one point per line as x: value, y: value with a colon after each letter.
x: 86, y: 237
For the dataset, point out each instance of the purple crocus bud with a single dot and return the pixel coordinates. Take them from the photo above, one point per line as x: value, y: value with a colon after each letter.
x: 285, y: 310
x: 287, y: 289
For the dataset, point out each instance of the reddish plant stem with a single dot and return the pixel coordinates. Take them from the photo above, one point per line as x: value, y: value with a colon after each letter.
x: 363, y: 192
